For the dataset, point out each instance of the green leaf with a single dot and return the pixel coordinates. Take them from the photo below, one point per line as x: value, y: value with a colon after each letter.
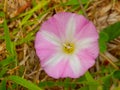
x: 66, y: 84
x: 7, y: 61
x: 7, y: 37
x: 30, y: 13
x: 3, y: 85
x: 84, y: 88
x: 117, y: 88
x: 42, y: 84
x: 103, y: 39
x: 76, y: 2
x: 28, y: 38
x: 116, y: 74
x: 113, y: 31
x: 3, y: 71
x: 25, y: 19
x: 9, y: 44
x: 2, y: 14
x: 23, y: 82
x: 90, y: 78
x: 106, y: 82
x: 107, y: 34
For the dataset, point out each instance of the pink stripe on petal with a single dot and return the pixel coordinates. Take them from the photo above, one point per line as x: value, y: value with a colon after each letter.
x: 93, y: 50
x: 68, y: 71
x: 57, y: 24
x: 65, y: 20
x: 51, y: 38
x: 70, y: 28
x: 88, y: 31
x: 53, y: 60
x: 86, y: 60
x: 85, y: 43
x: 81, y: 22
x: 44, y: 48
x: 75, y: 65
x: 52, y: 26
x: 73, y: 68
x: 57, y: 70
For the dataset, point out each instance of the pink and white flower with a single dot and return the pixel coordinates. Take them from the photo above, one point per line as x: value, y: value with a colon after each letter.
x: 67, y: 45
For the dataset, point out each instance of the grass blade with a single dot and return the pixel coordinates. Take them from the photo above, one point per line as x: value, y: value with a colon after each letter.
x: 30, y: 13
x: 7, y: 37
x: 3, y: 85
x: 24, y: 82
x: 7, y: 61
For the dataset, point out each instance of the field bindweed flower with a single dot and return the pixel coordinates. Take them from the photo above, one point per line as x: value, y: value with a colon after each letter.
x: 67, y: 45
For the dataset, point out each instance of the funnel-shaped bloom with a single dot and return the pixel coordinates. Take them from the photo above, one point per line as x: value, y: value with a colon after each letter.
x: 67, y: 45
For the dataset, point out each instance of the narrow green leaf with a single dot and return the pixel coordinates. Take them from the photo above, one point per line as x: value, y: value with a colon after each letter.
x: 61, y: 83
x: 38, y: 6
x: 7, y: 37
x: 117, y: 88
x: 7, y: 61
x: 3, y: 85
x: 28, y: 38
x: 23, y: 82
x: 84, y: 88
x: 30, y: 13
x: 3, y: 71
x: 25, y: 19
x: 76, y: 2
x: 2, y: 14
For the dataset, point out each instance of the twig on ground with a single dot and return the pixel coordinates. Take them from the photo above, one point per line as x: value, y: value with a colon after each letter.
x: 109, y: 60
x: 81, y: 5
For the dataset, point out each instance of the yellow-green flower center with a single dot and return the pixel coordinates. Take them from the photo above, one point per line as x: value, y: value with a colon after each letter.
x: 68, y: 48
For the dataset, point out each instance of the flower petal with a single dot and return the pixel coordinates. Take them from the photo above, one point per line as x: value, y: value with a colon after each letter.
x: 71, y: 27
x: 66, y: 23
x: 88, y: 31
x: 73, y: 68
x: 93, y: 50
x: 53, y: 60
x: 76, y: 66
x: 81, y: 22
x: 44, y: 48
x: 86, y: 60
x: 90, y: 45
x: 57, y: 24
x: 51, y: 38
x: 51, y: 26
x: 85, y: 43
x: 57, y: 69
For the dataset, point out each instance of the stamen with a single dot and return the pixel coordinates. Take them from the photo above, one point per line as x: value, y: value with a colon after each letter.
x: 68, y: 48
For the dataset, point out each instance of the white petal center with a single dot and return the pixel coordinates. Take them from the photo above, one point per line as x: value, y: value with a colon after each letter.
x: 54, y: 60
x: 70, y: 29
x: 85, y: 43
x: 51, y: 37
x: 75, y: 64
